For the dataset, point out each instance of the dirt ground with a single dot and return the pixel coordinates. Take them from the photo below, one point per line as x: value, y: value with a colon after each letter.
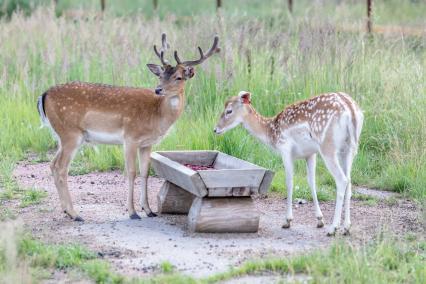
x: 138, y: 247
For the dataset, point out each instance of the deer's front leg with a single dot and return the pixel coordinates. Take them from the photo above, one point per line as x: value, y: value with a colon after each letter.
x: 144, y: 158
x: 131, y: 152
x: 288, y: 167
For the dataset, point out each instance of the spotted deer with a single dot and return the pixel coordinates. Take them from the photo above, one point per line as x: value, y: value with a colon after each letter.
x: 137, y: 118
x: 329, y: 124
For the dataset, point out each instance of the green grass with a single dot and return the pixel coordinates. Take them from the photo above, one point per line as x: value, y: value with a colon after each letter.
x: 100, y: 272
x: 54, y: 256
x: 9, y: 188
x: 384, y: 261
x: 32, y: 196
x: 166, y: 267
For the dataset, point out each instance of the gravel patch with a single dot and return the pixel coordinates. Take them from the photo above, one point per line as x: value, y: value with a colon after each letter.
x: 138, y: 247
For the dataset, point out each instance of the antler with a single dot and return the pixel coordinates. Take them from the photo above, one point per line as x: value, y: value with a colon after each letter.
x: 214, y: 49
x: 164, y: 47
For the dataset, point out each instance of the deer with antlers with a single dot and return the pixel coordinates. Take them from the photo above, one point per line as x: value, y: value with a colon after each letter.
x: 329, y: 124
x: 137, y: 118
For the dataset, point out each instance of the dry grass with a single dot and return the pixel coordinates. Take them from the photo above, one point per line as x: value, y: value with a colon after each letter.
x: 13, y: 269
x: 385, y: 75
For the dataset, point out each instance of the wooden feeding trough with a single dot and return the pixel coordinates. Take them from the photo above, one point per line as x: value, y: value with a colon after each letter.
x: 213, y: 188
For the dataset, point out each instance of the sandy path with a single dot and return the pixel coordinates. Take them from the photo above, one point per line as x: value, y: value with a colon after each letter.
x: 137, y: 247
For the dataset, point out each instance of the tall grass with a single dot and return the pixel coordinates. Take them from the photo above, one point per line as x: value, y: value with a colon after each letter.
x: 384, y: 75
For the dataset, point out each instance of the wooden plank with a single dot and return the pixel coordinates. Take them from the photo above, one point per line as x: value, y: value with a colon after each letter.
x: 220, y: 191
x: 223, y: 215
x: 290, y: 6
x: 178, y: 174
x: 266, y: 182
x: 224, y: 161
x: 173, y: 199
x: 232, y: 178
x: 231, y: 191
x: 202, y: 158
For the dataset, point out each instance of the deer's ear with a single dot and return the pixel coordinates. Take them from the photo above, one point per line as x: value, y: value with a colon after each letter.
x: 156, y: 69
x: 189, y: 72
x: 245, y: 97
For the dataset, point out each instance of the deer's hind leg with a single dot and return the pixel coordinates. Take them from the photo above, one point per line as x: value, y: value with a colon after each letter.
x: 310, y: 169
x: 346, y: 159
x: 60, y: 166
x: 289, y: 172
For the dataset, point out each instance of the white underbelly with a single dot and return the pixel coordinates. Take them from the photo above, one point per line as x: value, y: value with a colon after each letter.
x: 306, y: 149
x: 299, y: 145
x: 103, y: 137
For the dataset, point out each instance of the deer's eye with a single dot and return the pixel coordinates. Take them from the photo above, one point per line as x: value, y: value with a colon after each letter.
x: 229, y: 111
x: 178, y: 78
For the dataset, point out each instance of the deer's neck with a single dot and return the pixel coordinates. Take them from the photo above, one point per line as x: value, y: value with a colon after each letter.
x: 259, y: 126
x: 172, y: 106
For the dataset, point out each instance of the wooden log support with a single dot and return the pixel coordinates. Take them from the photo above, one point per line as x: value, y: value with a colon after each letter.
x: 223, y: 215
x: 103, y: 5
x: 174, y: 200
x: 290, y: 5
x: 218, y: 4
x: 220, y: 197
x: 369, y: 12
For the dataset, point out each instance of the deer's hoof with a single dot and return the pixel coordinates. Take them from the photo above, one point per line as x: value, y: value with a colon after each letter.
x: 320, y: 223
x: 151, y: 214
x: 286, y: 225
x: 135, y: 216
x: 331, y: 232
x: 78, y: 219
x: 346, y: 232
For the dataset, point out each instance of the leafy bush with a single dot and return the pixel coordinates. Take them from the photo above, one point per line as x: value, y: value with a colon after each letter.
x: 8, y: 7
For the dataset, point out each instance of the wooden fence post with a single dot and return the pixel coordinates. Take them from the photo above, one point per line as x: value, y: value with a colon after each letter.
x: 218, y: 4
x: 290, y: 5
x: 103, y: 5
x: 369, y: 12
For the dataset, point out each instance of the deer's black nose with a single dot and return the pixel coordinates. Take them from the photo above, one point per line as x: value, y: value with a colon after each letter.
x: 158, y: 90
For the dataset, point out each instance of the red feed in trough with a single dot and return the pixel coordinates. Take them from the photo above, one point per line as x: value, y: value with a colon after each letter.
x: 198, y: 167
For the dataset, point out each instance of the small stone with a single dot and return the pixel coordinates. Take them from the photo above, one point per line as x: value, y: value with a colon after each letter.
x: 300, y: 201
